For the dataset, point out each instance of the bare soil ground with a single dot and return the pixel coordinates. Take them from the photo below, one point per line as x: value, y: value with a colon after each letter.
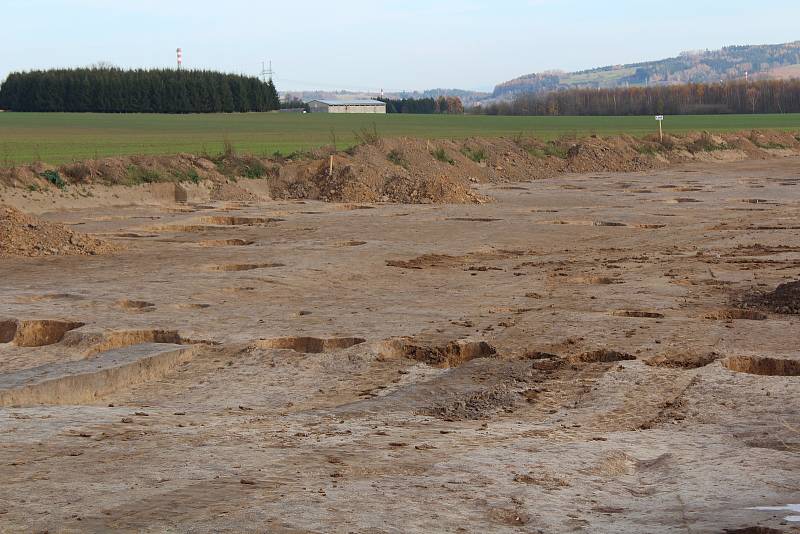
x: 597, y: 352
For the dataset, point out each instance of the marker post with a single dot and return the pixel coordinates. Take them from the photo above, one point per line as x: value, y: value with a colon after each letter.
x: 660, y: 119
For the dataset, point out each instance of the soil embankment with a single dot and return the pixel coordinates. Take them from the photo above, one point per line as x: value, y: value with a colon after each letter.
x: 405, y: 170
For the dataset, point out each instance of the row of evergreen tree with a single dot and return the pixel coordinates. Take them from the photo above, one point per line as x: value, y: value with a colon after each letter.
x: 113, y: 90
x: 424, y: 106
x: 761, y: 96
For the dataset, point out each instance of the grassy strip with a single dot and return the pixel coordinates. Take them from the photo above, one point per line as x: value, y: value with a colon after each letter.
x: 59, y: 138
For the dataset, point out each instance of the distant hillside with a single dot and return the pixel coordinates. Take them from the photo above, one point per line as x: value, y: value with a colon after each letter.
x: 781, y: 61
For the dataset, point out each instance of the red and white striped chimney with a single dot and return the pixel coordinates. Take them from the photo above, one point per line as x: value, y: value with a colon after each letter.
x: 180, y: 58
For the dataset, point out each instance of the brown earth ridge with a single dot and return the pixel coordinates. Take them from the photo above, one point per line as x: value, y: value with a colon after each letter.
x: 408, y: 170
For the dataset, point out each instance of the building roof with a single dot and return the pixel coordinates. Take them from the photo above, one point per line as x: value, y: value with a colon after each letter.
x: 351, y: 102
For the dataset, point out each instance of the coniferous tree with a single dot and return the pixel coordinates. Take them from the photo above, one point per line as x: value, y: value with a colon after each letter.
x: 424, y: 106
x: 273, y: 101
x: 112, y: 90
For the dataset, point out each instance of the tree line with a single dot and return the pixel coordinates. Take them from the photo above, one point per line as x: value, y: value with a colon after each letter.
x: 761, y: 96
x: 424, y: 106
x: 113, y: 90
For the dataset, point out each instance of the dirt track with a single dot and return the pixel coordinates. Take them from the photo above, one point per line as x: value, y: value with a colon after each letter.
x: 572, y: 357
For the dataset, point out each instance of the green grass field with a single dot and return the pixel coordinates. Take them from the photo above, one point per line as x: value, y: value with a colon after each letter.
x: 63, y: 137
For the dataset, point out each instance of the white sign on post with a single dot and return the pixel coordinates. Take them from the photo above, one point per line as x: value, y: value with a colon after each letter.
x: 660, y: 119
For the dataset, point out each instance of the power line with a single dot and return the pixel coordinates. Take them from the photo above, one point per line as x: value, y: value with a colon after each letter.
x: 267, y: 74
x: 329, y: 85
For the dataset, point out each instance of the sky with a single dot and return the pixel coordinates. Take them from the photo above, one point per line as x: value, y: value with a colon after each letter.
x: 371, y: 45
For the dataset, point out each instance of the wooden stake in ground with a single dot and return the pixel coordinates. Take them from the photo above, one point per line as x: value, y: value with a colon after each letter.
x: 330, y: 168
x: 660, y: 119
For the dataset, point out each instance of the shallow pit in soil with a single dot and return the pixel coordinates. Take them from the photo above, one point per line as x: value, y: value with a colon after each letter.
x: 225, y: 243
x: 309, y: 345
x: 683, y: 360
x: 238, y: 221
x: 444, y: 356
x: 184, y: 228
x: 135, y: 305
x: 640, y: 314
x: 596, y: 280
x: 235, y: 267
x: 473, y: 219
x: 35, y: 333
x: 601, y: 356
x: 734, y: 314
x: 126, y: 338
x: 608, y: 223
x: 762, y: 365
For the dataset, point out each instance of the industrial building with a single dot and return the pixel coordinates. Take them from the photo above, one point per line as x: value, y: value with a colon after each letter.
x: 347, y: 106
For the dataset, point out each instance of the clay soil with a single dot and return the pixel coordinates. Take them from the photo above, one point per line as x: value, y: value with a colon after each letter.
x: 25, y: 235
x: 587, y: 352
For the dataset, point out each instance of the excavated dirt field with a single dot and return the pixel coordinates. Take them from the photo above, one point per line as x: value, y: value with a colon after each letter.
x: 600, y: 352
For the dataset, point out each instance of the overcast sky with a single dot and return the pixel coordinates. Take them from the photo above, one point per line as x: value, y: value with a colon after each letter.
x: 369, y: 45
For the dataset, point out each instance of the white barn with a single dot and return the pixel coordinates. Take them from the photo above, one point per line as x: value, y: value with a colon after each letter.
x: 347, y: 106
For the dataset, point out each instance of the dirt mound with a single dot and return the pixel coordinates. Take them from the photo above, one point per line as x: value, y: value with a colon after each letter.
x: 618, y: 154
x: 367, y: 174
x: 24, y: 235
x: 429, y: 189
x: 406, y: 170
x: 785, y: 299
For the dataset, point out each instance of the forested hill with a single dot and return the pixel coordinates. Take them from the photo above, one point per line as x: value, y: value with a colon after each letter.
x: 781, y: 61
x: 111, y: 90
